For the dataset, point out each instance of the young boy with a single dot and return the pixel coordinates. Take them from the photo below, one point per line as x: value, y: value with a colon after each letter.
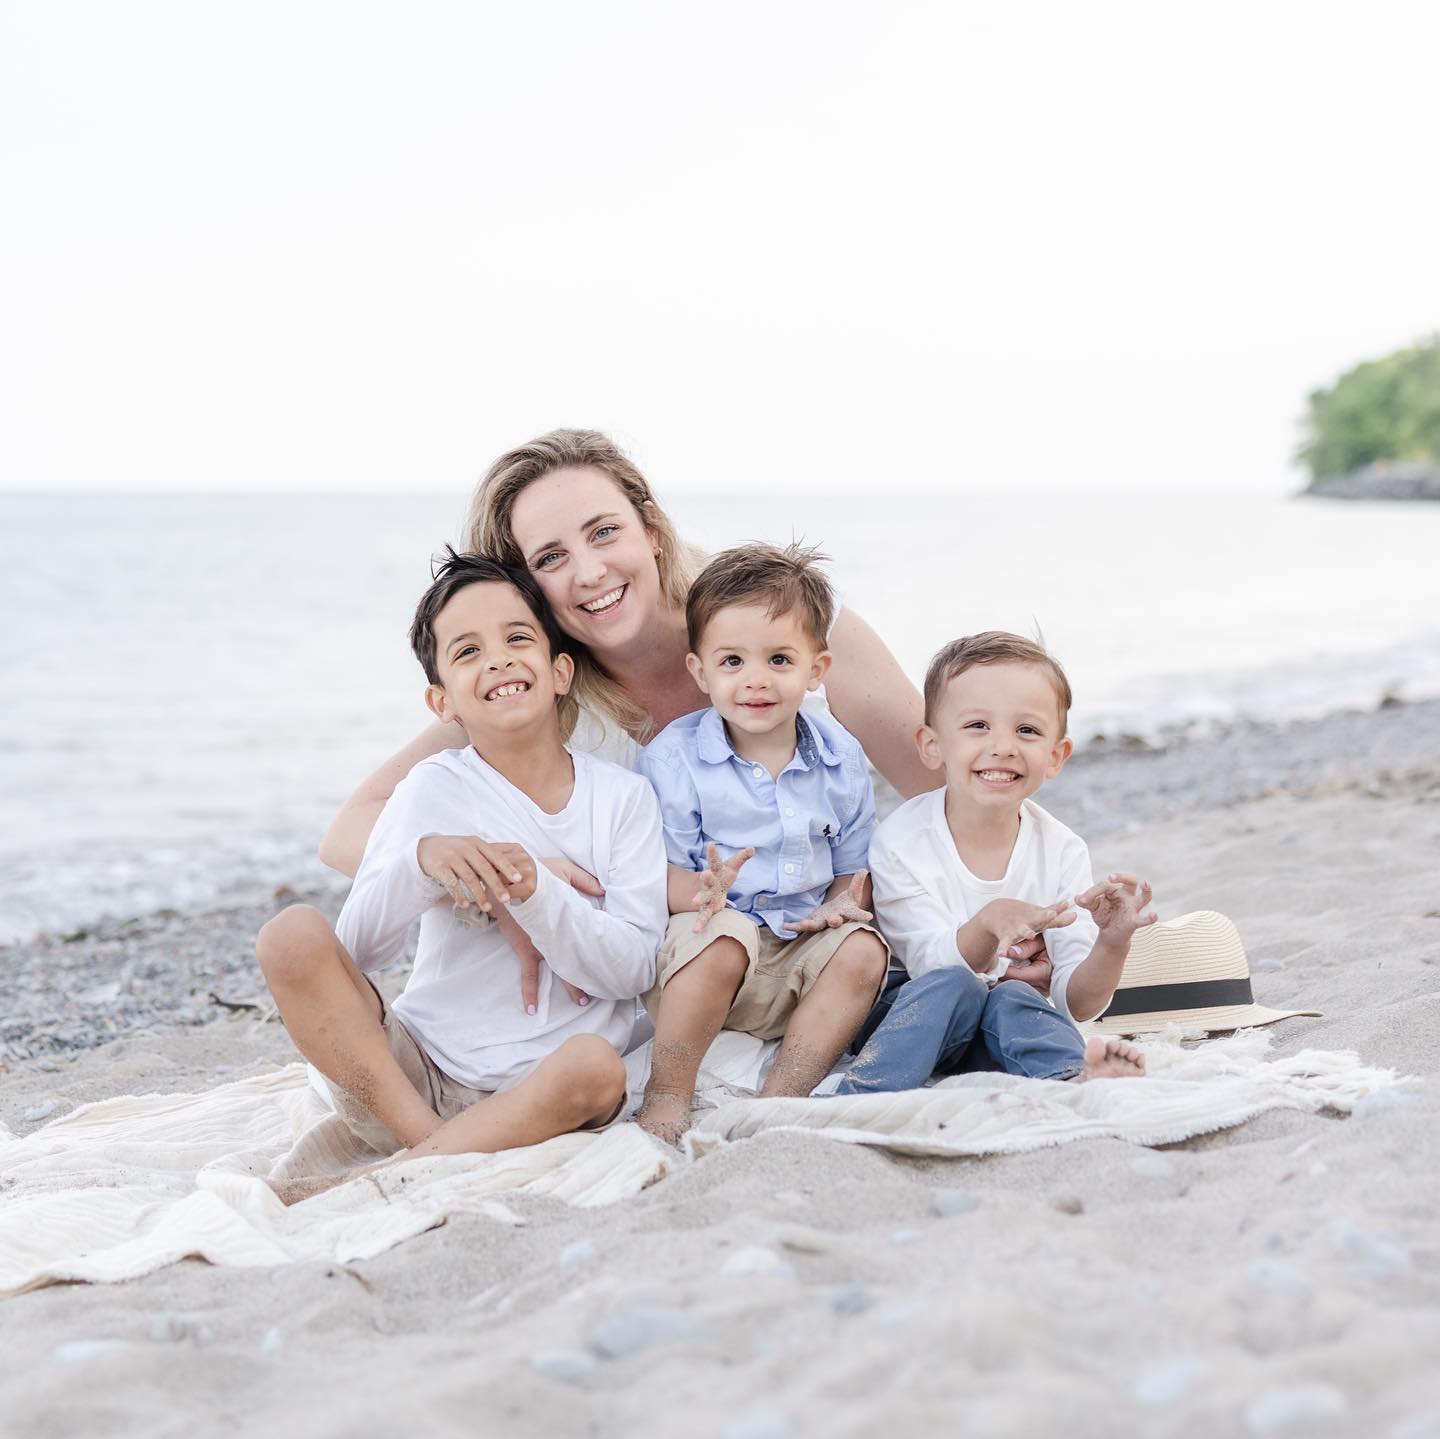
x: 458, y: 1064
x: 774, y: 938
x: 963, y: 874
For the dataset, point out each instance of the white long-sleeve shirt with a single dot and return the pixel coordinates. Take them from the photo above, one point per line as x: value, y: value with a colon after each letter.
x: 463, y: 1000
x: 924, y: 893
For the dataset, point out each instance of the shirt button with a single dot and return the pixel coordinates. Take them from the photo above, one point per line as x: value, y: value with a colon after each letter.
x: 789, y: 869
x: 758, y: 771
x: 789, y: 812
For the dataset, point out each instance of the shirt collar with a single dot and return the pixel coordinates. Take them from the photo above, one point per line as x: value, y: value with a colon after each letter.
x: 712, y: 744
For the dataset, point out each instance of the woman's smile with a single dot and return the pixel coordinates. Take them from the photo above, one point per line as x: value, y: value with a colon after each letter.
x: 588, y: 548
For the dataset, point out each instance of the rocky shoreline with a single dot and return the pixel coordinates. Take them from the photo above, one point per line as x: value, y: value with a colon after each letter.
x: 1382, y: 480
x: 185, y: 970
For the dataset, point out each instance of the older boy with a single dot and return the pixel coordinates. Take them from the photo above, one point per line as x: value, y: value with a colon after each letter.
x: 774, y: 938
x: 964, y: 874
x: 458, y: 1064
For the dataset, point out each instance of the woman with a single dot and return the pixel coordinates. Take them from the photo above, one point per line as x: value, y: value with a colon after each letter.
x: 573, y: 509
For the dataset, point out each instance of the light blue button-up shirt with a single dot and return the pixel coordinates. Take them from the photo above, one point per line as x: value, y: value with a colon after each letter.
x: 807, y: 826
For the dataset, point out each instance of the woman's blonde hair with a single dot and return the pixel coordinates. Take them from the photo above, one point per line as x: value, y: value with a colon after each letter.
x: 488, y: 532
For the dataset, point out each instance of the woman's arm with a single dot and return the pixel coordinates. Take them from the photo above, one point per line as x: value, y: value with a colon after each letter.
x: 872, y: 697
x: 344, y: 844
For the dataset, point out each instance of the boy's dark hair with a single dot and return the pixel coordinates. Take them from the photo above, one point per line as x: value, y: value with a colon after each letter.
x: 788, y: 581
x: 993, y: 647
x: 454, y: 572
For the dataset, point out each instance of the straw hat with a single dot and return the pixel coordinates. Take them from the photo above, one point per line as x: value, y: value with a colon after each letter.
x: 1190, y: 971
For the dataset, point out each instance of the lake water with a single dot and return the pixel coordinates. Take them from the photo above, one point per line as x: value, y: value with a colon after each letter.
x: 190, y: 684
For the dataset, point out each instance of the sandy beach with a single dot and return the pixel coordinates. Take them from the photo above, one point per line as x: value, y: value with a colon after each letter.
x: 1282, y: 1277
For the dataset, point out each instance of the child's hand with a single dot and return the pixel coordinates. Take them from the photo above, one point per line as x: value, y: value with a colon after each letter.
x: 1035, y: 969
x: 1119, y: 905
x: 514, y: 862
x: 844, y: 908
x: 477, y: 871
x: 715, y: 882
x: 1012, y: 921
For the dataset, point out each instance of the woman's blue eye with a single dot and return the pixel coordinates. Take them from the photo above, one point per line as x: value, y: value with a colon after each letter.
x: 543, y: 562
x: 605, y: 531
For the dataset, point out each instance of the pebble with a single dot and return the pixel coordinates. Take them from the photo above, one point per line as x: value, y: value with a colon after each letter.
x: 570, y: 1366
x: 577, y: 1252
x: 1168, y: 1382
x: 1281, y: 1278
x: 627, y: 1331
x: 1153, y: 1166
x: 852, y: 1299
x: 100, y: 993
x: 755, y: 1259
x: 1415, y: 1426
x: 1383, y: 1101
x: 40, y: 1111
x: 1296, y: 1408
x: 272, y: 1343
x: 50, y: 1066
x: 953, y: 1201
x: 224, y: 1068
x: 906, y: 1236
x: 1377, y: 1247
x: 766, y: 1424
x: 806, y: 1241
x: 171, y: 1328
x: 1070, y: 1204
x: 79, y: 1351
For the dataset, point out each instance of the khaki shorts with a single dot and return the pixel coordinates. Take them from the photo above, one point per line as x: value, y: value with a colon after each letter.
x: 779, y: 973
x: 446, y: 1096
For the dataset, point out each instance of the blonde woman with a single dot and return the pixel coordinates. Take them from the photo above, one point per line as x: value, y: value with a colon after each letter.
x: 574, y: 510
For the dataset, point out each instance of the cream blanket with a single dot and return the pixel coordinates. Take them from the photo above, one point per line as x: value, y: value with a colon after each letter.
x: 122, y: 1187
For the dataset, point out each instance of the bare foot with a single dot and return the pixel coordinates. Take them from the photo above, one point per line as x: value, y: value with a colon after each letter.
x: 1111, y: 1059
x: 665, y: 1114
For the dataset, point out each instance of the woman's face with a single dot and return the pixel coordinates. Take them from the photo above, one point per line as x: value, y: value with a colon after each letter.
x: 584, y: 542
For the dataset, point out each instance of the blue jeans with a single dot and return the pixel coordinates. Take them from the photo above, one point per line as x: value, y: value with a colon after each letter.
x: 951, y: 1022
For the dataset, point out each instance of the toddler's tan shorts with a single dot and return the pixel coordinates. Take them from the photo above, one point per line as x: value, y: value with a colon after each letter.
x: 779, y: 973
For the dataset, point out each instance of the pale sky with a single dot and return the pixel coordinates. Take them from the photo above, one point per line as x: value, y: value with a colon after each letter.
x: 1039, y: 246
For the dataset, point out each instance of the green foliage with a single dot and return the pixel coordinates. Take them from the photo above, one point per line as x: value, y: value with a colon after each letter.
x: 1382, y: 410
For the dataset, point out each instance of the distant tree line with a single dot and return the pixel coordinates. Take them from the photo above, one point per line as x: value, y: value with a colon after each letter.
x: 1382, y: 410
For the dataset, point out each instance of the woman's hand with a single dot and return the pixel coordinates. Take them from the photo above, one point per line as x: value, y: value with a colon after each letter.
x: 530, y: 958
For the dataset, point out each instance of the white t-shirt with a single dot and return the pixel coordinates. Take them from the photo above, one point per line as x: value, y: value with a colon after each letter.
x: 463, y: 999
x: 924, y: 893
